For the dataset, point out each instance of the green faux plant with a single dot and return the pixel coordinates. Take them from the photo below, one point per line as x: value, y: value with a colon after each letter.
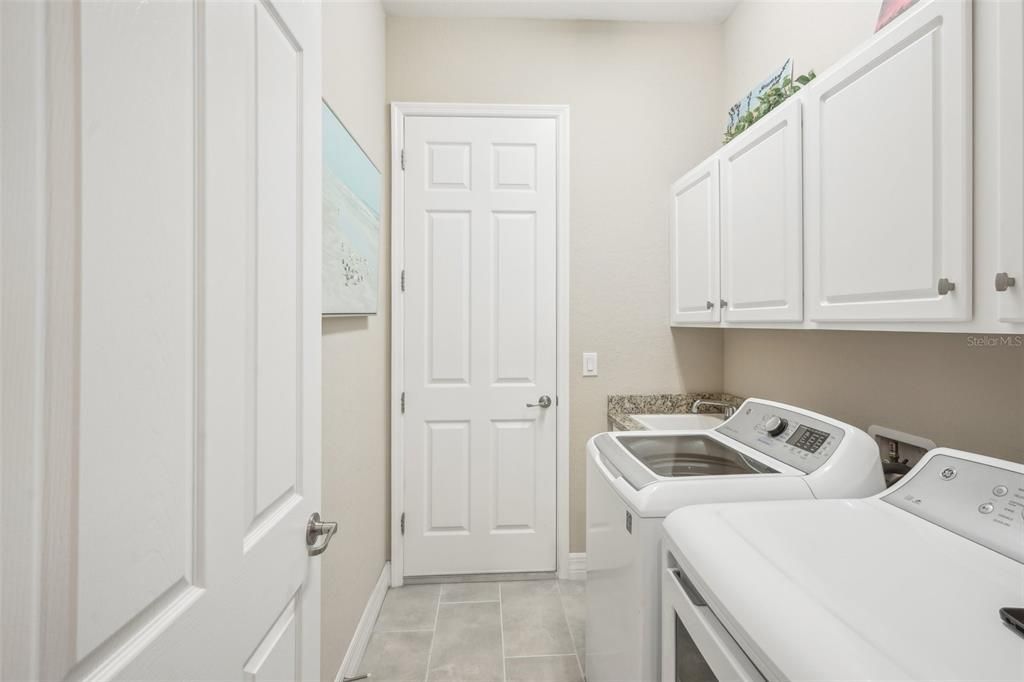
x: 770, y: 98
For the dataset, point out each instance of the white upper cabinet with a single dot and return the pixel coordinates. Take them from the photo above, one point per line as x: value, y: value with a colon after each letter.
x: 762, y: 221
x: 1008, y: 281
x: 888, y: 175
x: 694, y: 246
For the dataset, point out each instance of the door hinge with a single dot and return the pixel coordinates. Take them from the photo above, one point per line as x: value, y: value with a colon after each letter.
x: 403, y: 280
x: 403, y: 402
x: 401, y: 523
x: 403, y: 159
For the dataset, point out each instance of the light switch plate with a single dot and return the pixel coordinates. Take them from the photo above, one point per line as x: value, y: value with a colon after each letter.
x: 590, y: 364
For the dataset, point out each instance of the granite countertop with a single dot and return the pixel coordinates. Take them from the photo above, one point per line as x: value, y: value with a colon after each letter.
x: 622, y: 407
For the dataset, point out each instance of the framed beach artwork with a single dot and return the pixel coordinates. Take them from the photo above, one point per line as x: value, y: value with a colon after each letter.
x: 351, y: 223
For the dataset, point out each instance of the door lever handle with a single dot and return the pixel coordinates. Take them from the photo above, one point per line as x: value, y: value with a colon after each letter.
x: 319, y: 534
x: 545, y: 402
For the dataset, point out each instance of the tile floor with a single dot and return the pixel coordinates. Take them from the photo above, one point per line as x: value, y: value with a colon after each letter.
x: 523, y: 631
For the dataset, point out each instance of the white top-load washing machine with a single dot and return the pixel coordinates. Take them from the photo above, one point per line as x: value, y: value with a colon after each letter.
x: 910, y: 584
x: 766, y: 451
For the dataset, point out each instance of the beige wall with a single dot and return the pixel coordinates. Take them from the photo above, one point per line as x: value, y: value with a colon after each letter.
x: 761, y: 34
x: 941, y: 386
x: 355, y: 353
x: 644, y: 107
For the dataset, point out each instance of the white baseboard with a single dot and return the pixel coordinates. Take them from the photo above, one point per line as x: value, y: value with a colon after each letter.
x: 361, y: 637
x: 578, y: 566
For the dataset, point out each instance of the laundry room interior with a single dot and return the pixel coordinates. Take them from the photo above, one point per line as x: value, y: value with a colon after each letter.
x: 659, y: 341
x: 648, y: 101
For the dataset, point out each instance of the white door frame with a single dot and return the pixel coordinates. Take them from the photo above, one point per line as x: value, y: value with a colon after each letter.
x: 560, y: 114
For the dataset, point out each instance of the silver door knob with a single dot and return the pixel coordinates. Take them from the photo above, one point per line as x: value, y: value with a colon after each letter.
x: 1004, y: 281
x: 545, y: 401
x: 319, y: 534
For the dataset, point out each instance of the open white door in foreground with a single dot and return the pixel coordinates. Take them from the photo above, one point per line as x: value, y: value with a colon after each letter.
x: 160, y: 340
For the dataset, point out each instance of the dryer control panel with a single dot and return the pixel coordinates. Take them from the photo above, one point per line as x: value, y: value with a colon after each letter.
x: 794, y: 438
x: 981, y: 502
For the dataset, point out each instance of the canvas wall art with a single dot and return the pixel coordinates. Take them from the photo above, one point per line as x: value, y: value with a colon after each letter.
x: 351, y: 223
x: 750, y: 100
x: 889, y: 10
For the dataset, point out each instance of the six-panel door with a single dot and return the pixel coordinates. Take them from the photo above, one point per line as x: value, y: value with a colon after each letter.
x: 693, y: 246
x: 479, y: 339
x: 762, y: 221
x: 888, y: 167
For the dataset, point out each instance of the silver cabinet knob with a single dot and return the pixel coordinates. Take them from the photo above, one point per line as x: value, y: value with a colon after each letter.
x: 319, y: 534
x: 945, y: 286
x: 723, y: 303
x: 544, y: 401
x: 1004, y: 281
x: 710, y: 305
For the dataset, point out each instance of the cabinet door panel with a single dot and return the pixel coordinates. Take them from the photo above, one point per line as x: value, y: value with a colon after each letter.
x: 1011, y: 166
x: 762, y: 221
x: 694, y: 246
x: 889, y: 175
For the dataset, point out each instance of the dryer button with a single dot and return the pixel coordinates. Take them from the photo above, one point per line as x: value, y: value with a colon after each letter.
x: 1000, y: 491
x: 986, y: 508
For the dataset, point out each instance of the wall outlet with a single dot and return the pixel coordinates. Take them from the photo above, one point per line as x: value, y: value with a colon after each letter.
x: 590, y: 364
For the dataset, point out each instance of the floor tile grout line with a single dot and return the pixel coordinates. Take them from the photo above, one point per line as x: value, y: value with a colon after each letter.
x: 572, y: 637
x: 433, y: 637
x: 474, y: 601
x: 542, y: 656
x: 501, y: 627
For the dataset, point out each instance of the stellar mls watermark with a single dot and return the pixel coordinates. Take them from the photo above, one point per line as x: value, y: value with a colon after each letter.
x: 996, y: 341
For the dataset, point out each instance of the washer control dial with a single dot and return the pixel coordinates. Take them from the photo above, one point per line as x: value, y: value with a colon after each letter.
x: 776, y: 426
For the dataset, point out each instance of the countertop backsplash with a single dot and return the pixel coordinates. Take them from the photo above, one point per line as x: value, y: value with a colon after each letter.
x: 622, y: 407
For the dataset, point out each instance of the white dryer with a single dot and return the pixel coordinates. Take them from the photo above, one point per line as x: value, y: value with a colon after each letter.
x: 911, y: 584
x: 766, y: 451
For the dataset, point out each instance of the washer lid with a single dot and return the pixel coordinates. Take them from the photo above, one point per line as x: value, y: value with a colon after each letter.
x: 657, y: 456
x: 851, y: 589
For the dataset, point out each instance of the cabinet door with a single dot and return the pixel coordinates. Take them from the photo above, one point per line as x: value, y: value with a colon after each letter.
x: 889, y: 179
x: 1009, y: 279
x: 694, y: 246
x: 762, y: 221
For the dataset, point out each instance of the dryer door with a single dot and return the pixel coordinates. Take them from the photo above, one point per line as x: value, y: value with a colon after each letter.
x: 695, y: 646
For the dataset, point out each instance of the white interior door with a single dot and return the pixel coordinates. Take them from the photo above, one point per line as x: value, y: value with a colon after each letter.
x: 762, y: 221
x: 161, y: 319
x: 479, y: 341
x: 693, y: 246
x: 889, y: 181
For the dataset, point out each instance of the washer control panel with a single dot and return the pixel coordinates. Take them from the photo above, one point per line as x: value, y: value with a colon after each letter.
x: 802, y: 442
x: 980, y: 502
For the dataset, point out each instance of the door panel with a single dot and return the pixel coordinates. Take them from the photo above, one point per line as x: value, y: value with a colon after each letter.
x: 889, y: 175
x: 762, y: 221
x: 448, y: 273
x: 152, y: 449
x: 1011, y: 164
x: 694, y: 246
x: 273, y: 460
x: 479, y: 345
x: 177, y: 318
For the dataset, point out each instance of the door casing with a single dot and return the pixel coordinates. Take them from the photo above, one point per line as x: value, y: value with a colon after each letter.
x: 560, y: 113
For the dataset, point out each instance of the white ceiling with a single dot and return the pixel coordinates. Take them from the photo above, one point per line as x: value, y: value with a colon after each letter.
x: 709, y: 11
